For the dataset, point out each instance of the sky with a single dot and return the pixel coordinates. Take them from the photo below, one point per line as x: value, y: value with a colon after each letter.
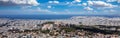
x: 85, y: 7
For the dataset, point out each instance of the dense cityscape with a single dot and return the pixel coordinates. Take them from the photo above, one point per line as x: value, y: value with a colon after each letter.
x: 59, y: 18
x: 75, y: 27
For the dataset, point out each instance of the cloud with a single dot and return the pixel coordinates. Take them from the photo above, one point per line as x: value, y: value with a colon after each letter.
x: 77, y: 0
x: 100, y: 4
x: 110, y: 11
x: 18, y: 2
x: 56, y: 2
x: 88, y: 8
x: 67, y: 2
x: 113, y: 1
x: 37, y: 9
x: 42, y: 10
x: 118, y: 1
x: 84, y: 4
x: 49, y: 6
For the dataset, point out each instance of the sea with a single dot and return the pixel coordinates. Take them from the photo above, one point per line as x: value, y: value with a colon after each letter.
x: 49, y: 17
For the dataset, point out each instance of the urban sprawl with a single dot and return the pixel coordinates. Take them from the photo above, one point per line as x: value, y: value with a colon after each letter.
x: 75, y: 27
